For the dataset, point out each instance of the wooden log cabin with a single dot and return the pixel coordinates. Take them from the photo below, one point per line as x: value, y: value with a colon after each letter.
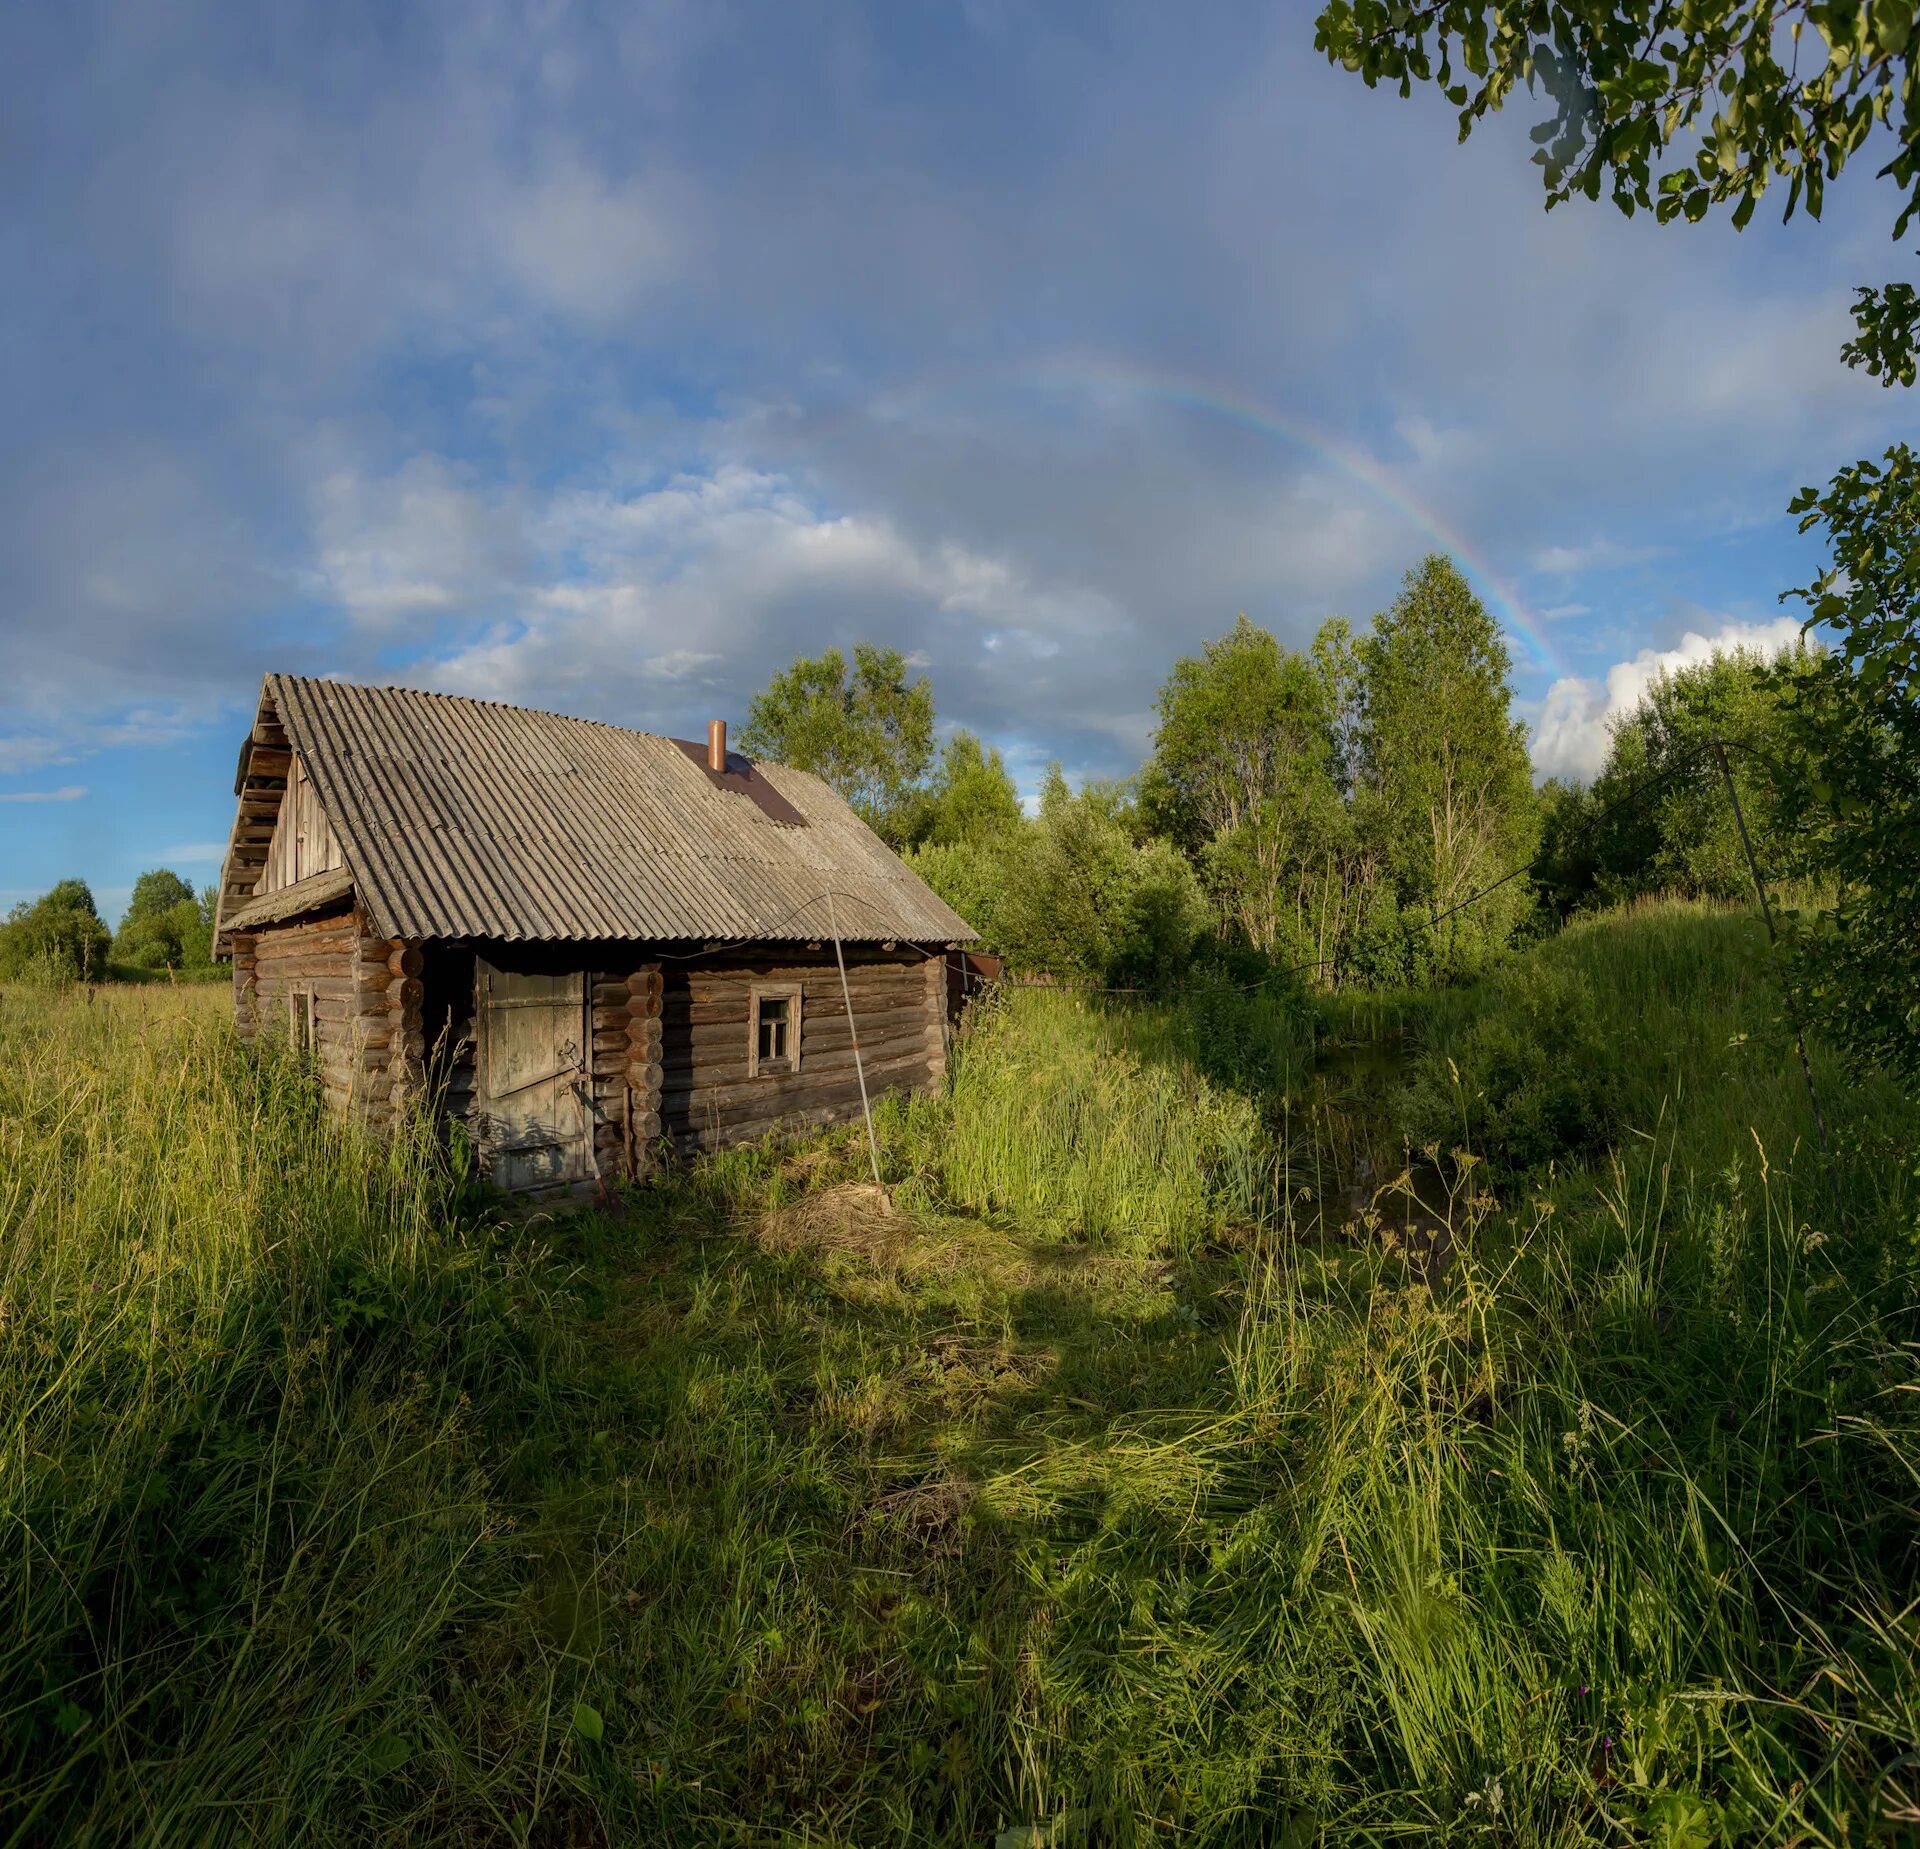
x: 591, y: 945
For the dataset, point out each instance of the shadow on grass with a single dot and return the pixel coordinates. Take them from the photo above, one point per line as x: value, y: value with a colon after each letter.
x: 815, y: 1517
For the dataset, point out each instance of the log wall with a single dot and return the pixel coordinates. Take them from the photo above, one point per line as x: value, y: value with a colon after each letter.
x: 707, y: 1098
x: 367, y: 1042
x: 669, y: 1060
x: 325, y: 957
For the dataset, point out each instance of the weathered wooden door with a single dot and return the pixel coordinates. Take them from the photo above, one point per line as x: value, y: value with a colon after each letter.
x: 534, y: 1087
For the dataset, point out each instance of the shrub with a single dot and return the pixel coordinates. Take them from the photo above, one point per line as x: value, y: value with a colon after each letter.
x: 1251, y: 1032
x: 969, y: 875
x: 1522, y: 1079
x: 56, y: 939
x: 1391, y: 948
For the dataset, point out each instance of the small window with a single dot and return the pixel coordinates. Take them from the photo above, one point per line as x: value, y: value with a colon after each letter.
x: 774, y: 1021
x: 300, y: 1019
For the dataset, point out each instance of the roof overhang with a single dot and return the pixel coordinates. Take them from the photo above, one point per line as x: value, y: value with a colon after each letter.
x: 309, y: 895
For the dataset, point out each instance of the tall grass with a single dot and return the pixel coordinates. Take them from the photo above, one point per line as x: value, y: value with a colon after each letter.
x: 1624, y: 1021
x: 1089, y: 1121
x: 1037, y: 1511
x: 245, y: 1364
x: 1613, y: 1537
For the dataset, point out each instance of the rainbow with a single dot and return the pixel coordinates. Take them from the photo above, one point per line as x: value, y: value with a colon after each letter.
x: 1085, y: 376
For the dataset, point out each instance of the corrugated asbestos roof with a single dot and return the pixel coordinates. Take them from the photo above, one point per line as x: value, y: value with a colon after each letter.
x: 463, y: 818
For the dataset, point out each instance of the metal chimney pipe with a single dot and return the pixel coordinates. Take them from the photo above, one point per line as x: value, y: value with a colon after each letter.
x: 716, y: 744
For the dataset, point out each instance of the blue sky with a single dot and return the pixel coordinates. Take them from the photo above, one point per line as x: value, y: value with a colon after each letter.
x: 605, y: 358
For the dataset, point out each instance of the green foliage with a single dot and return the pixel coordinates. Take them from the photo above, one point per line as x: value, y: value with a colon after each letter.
x: 1699, y: 100
x: 1242, y: 725
x: 1126, y: 1512
x: 1565, y: 866
x: 156, y: 892
x: 1851, y: 783
x: 1245, y: 1026
x: 1344, y: 805
x: 1076, y: 894
x: 1084, y: 901
x: 1657, y: 819
x: 1444, y: 764
x: 868, y: 732
x: 1391, y: 945
x: 1525, y: 1079
x: 1243, y: 777
x: 166, y: 925
x: 56, y: 938
x: 1888, y: 320
x: 1056, y: 1115
x: 971, y: 876
x: 1676, y: 110
x: 239, y: 1360
x: 970, y: 799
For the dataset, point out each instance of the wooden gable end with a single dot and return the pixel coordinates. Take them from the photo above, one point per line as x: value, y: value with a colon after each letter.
x: 303, y: 841
x: 281, y: 837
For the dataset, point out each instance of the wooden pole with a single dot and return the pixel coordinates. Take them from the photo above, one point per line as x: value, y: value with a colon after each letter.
x: 853, y: 1030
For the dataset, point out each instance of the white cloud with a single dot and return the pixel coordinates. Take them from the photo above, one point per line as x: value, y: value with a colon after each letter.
x: 589, y: 245
x: 1435, y: 448
x: 67, y: 793
x: 1577, y: 716
x: 551, y: 242
x: 420, y: 542
x: 661, y: 603
x: 1596, y: 555
x: 21, y: 751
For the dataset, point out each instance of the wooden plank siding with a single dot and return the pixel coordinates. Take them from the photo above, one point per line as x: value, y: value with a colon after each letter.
x: 303, y: 841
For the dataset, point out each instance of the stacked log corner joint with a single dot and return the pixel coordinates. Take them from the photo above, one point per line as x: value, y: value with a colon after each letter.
x: 646, y: 1072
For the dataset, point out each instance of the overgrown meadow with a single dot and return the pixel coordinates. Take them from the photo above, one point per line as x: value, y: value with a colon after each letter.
x: 1259, y: 1419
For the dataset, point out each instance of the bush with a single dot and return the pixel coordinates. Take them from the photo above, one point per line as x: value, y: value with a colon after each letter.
x: 1391, y: 948
x: 969, y: 875
x: 1252, y: 1032
x: 1523, y: 1079
x: 1074, y: 895
x: 57, y: 939
x: 166, y: 925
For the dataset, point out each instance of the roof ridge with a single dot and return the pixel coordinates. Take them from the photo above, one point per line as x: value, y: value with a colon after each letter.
x: 507, y: 706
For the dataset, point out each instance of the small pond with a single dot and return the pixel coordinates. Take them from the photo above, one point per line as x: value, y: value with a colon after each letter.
x: 1349, y: 1172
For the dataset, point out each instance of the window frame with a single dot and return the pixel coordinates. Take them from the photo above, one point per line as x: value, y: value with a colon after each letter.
x: 789, y: 1064
x: 307, y: 1041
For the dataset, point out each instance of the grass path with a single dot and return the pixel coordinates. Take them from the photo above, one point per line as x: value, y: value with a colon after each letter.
x: 868, y: 1464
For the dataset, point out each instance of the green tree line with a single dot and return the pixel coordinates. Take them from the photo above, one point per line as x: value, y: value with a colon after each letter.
x: 1349, y: 812
x: 1356, y: 813
x: 60, y: 936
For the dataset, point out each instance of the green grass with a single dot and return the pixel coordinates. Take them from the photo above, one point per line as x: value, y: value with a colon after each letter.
x: 247, y: 1485
x: 1084, y: 1120
x: 212, y: 974
x: 1082, y: 1499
